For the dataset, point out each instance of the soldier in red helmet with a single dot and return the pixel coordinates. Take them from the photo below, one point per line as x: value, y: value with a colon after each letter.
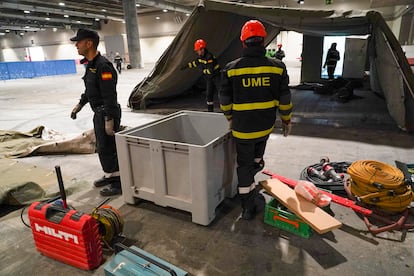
x: 207, y: 62
x: 254, y: 88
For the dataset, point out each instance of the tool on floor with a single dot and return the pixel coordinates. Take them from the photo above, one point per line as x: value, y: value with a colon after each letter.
x: 61, y: 187
x: 135, y: 261
x: 318, y: 219
x: 110, y: 222
x: 70, y: 236
x: 400, y: 224
x: 63, y: 234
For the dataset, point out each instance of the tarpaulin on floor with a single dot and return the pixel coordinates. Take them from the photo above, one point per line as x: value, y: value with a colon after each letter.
x: 43, y: 141
x: 219, y: 23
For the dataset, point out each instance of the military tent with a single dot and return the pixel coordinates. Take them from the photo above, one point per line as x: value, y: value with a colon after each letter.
x: 219, y: 23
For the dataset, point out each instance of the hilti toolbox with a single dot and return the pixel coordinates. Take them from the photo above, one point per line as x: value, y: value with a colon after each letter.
x: 69, y: 236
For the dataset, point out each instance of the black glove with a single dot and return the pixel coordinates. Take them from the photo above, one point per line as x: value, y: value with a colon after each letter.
x: 75, y: 110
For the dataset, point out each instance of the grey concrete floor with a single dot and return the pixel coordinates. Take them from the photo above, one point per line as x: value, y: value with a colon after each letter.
x: 359, y: 129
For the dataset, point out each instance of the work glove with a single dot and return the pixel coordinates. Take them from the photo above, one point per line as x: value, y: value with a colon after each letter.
x: 75, y: 110
x: 286, y: 128
x: 109, y: 126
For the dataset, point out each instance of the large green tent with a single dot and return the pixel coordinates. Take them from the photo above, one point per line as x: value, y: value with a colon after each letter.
x: 220, y: 22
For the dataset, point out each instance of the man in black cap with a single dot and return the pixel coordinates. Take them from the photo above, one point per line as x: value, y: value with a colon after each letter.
x: 100, y: 91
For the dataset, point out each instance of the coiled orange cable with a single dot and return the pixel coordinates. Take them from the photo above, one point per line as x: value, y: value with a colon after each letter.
x: 379, y: 184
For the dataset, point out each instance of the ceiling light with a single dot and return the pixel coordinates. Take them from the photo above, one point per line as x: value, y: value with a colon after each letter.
x: 54, y: 29
x: 78, y: 22
x: 26, y: 27
x: 97, y: 19
x: 21, y: 33
x: 26, y: 11
x: 47, y: 18
x: 103, y: 10
x: 7, y: 31
x: 61, y: 4
x: 187, y: 14
x: 158, y: 18
x: 137, y: 5
x: 2, y: 33
x: 301, y: 2
x: 164, y: 10
x: 66, y: 16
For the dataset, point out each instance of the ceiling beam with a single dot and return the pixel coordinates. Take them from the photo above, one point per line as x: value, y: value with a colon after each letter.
x: 389, y: 3
x: 62, y: 11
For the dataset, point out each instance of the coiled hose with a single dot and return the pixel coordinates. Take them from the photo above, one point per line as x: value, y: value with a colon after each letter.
x: 110, y: 223
x: 380, y: 185
x: 325, y: 183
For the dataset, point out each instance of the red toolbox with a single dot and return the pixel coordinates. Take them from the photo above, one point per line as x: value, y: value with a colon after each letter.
x: 69, y: 236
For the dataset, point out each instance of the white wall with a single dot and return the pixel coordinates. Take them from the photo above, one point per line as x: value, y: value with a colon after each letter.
x: 155, y: 37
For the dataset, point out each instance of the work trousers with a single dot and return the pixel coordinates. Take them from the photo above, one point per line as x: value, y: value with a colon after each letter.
x: 247, y: 152
x: 212, y: 87
x: 331, y: 71
x: 105, y: 144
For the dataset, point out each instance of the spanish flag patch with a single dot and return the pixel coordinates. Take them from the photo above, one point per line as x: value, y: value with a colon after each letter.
x: 106, y: 76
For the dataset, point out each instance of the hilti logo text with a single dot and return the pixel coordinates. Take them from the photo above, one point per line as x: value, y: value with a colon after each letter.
x: 57, y: 234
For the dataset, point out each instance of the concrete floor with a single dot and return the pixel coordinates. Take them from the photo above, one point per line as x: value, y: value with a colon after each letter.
x: 359, y: 129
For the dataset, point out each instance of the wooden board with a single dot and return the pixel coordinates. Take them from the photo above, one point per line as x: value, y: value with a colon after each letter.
x: 317, y: 218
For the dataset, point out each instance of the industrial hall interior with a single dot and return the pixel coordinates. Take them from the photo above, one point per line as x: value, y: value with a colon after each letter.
x: 207, y: 137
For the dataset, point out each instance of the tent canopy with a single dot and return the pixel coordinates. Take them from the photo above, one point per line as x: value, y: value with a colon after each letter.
x: 219, y: 23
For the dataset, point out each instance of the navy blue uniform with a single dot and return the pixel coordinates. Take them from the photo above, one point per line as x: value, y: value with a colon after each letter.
x: 253, y: 89
x: 100, y: 91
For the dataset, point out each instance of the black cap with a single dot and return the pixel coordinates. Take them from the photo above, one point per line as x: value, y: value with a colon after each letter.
x: 85, y: 33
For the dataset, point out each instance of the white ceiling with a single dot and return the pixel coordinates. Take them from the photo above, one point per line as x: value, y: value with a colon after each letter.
x: 34, y: 15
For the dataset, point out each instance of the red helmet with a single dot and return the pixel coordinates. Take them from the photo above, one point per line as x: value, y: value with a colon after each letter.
x: 199, y: 44
x: 252, y: 28
x: 279, y: 45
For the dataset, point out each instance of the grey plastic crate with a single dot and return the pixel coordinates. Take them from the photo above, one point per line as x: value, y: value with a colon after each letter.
x: 186, y: 160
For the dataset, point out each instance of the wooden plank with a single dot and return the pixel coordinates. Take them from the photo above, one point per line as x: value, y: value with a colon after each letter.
x: 317, y: 218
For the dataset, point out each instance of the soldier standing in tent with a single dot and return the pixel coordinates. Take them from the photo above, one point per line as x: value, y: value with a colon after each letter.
x: 253, y: 89
x: 210, y: 68
x: 332, y: 57
x: 280, y: 54
x: 100, y: 91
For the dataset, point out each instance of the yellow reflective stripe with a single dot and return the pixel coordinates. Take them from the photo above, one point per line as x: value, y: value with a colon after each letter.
x: 226, y: 107
x: 253, y: 106
x: 285, y: 106
x: 202, y: 61
x: 251, y: 135
x: 254, y: 70
x: 286, y: 117
x: 217, y: 66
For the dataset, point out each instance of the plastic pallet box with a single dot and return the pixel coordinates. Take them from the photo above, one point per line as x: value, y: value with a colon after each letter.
x: 279, y: 216
x: 186, y: 160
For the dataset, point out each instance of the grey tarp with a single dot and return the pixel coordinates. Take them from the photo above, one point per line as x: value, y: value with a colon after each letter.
x: 219, y: 23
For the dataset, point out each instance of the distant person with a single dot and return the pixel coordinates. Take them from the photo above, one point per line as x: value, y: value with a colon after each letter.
x: 210, y: 68
x: 280, y: 54
x: 100, y: 92
x: 332, y: 57
x: 253, y: 89
x: 118, y: 62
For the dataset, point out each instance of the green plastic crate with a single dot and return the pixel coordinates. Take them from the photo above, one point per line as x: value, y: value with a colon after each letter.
x: 279, y: 216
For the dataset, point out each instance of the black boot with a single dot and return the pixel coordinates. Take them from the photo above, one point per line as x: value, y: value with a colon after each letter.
x: 252, y: 203
x: 210, y: 108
